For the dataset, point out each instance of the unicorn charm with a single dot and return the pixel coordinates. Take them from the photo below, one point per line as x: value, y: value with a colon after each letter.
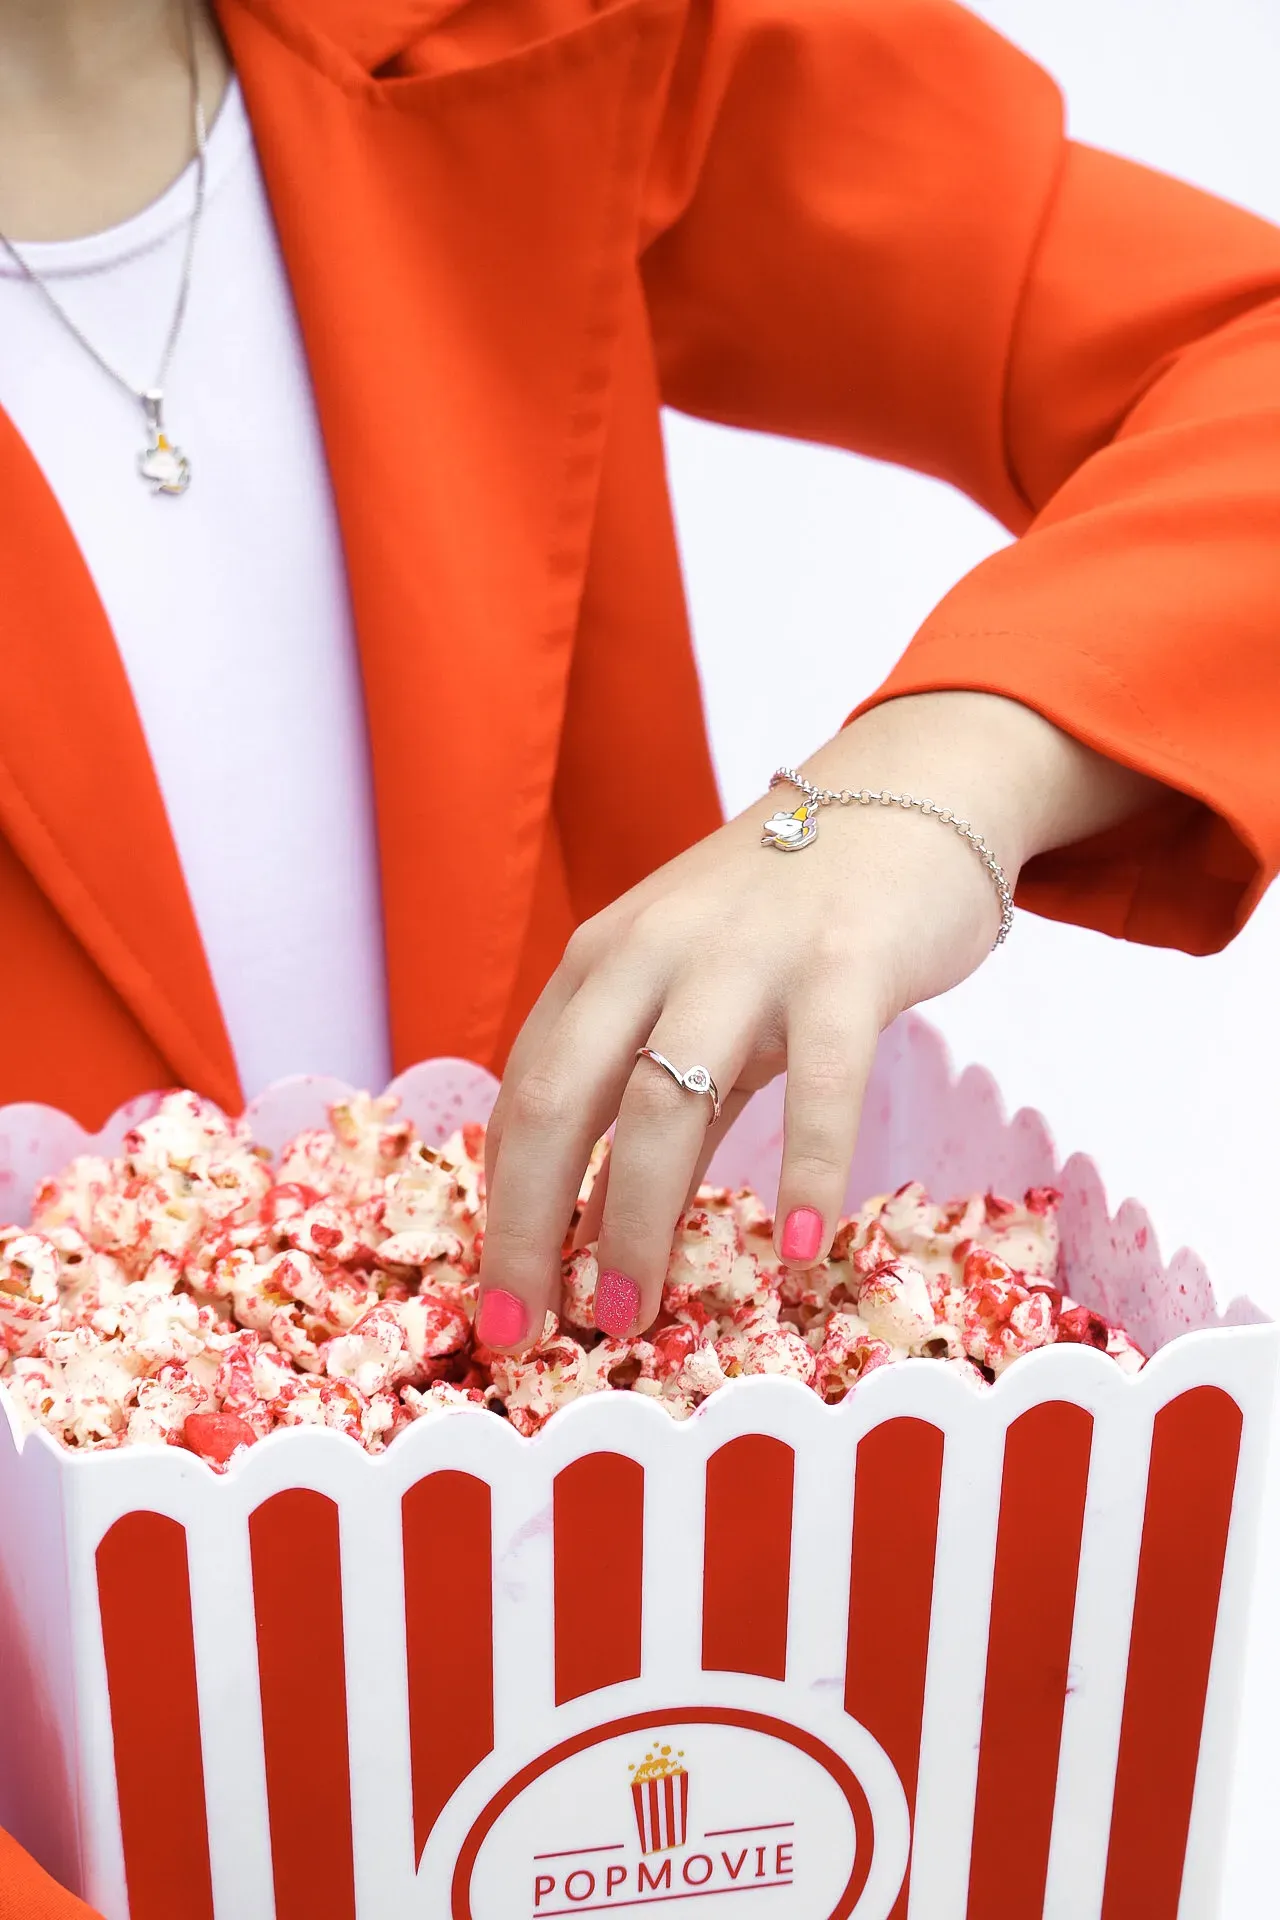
x: 791, y: 831
x: 160, y: 462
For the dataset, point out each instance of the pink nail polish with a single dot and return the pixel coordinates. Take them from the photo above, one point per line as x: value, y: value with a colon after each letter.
x: 802, y: 1234
x: 617, y: 1303
x: 502, y: 1319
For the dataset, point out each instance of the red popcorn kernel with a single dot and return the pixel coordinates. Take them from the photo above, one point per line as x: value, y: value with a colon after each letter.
x: 754, y: 1218
x: 989, y: 1277
x: 804, y: 1294
x: 287, y: 1201
x: 848, y: 1352
x: 704, y: 1253
x: 626, y: 1370
x: 894, y: 1301
x: 672, y: 1347
x: 216, y: 1436
x: 876, y: 1251
x: 760, y: 1344
x: 578, y: 1290
x: 1082, y: 1327
x: 1001, y: 1318
x: 845, y: 1239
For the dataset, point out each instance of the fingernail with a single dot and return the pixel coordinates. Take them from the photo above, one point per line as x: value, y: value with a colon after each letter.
x: 802, y: 1234
x: 617, y: 1302
x: 502, y: 1319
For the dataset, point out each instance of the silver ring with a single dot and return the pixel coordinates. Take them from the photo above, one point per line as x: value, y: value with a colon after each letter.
x: 697, y: 1080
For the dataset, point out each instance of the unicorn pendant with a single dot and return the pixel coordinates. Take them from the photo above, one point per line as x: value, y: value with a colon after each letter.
x: 791, y: 831
x: 163, y: 465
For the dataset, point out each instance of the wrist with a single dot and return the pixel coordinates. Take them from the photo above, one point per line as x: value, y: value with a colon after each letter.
x: 1024, y: 784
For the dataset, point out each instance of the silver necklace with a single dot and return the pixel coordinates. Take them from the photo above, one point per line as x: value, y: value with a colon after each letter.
x: 164, y: 466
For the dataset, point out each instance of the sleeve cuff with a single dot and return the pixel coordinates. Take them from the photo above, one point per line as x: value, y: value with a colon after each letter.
x: 1186, y: 873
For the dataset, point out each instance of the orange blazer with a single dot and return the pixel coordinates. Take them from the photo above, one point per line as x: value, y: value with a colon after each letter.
x: 513, y: 229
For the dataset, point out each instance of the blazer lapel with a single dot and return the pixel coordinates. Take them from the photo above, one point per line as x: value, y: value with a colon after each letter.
x: 366, y: 32
x: 79, y: 802
x: 459, y: 243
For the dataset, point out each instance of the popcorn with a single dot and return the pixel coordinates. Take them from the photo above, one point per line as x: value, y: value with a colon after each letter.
x: 683, y: 1368
x: 75, y: 1196
x: 392, y: 1344
x: 165, y: 1405
x: 440, y: 1398
x: 252, y: 1374
x: 95, y: 1382
x: 1000, y: 1318
x: 549, y: 1375
x: 849, y: 1349
x: 29, y: 1275
x: 216, y: 1437
x: 308, y: 1401
x: 763, y: 1344
x: 1127, y: 1354
x: 894, y: 1305
x: 351, y: 1157
x: 578, y: 1290
x: 1083, y: 1327
x: 704, y: 1256
x: 325, y: 1231
x: 1024, y: 1234
x: 187, y: 1294
x: 183, y: 1172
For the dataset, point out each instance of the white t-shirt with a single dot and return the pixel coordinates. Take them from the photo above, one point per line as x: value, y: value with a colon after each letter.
x: 229, y: 603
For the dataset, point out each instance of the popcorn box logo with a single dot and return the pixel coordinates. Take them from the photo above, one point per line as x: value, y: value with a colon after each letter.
x: 660, y: 1793
x: 778, y: 1813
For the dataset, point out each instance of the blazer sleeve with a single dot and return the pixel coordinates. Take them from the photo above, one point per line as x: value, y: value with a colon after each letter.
x: 866, y: 226
x: 27, y: 1892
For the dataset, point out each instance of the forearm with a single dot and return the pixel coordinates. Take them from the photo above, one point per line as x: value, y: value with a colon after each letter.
x: 1023, y: 783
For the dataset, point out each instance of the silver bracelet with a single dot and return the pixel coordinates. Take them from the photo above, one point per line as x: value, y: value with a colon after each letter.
x: 791, y: 831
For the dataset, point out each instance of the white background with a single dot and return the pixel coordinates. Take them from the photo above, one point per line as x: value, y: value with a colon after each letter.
x: 1165, y: 1068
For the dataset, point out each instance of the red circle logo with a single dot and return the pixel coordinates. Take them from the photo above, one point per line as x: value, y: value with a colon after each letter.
x: 713, y: 1801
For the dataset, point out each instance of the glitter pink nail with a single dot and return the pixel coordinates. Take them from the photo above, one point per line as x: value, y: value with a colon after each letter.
x: 617, y: 1303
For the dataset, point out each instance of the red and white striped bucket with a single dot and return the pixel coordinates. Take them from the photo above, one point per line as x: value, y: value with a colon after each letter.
x: 930, y: 1653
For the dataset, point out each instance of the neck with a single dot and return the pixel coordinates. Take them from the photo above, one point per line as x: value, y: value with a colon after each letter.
x: 95, y: 110
x: 50, y: 45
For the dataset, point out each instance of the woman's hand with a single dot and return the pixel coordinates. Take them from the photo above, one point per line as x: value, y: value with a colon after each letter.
x: 748, y: 962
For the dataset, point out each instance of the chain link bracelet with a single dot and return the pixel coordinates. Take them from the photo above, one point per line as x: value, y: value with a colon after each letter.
x: 788, y: 832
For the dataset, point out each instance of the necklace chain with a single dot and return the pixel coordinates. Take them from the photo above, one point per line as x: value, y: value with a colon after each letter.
x: 173, y: 475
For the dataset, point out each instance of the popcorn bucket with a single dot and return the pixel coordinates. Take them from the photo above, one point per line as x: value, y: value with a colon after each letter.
x: 932, y: 1651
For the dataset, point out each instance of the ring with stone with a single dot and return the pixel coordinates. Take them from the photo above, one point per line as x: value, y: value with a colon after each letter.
x: 696, y: 1080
